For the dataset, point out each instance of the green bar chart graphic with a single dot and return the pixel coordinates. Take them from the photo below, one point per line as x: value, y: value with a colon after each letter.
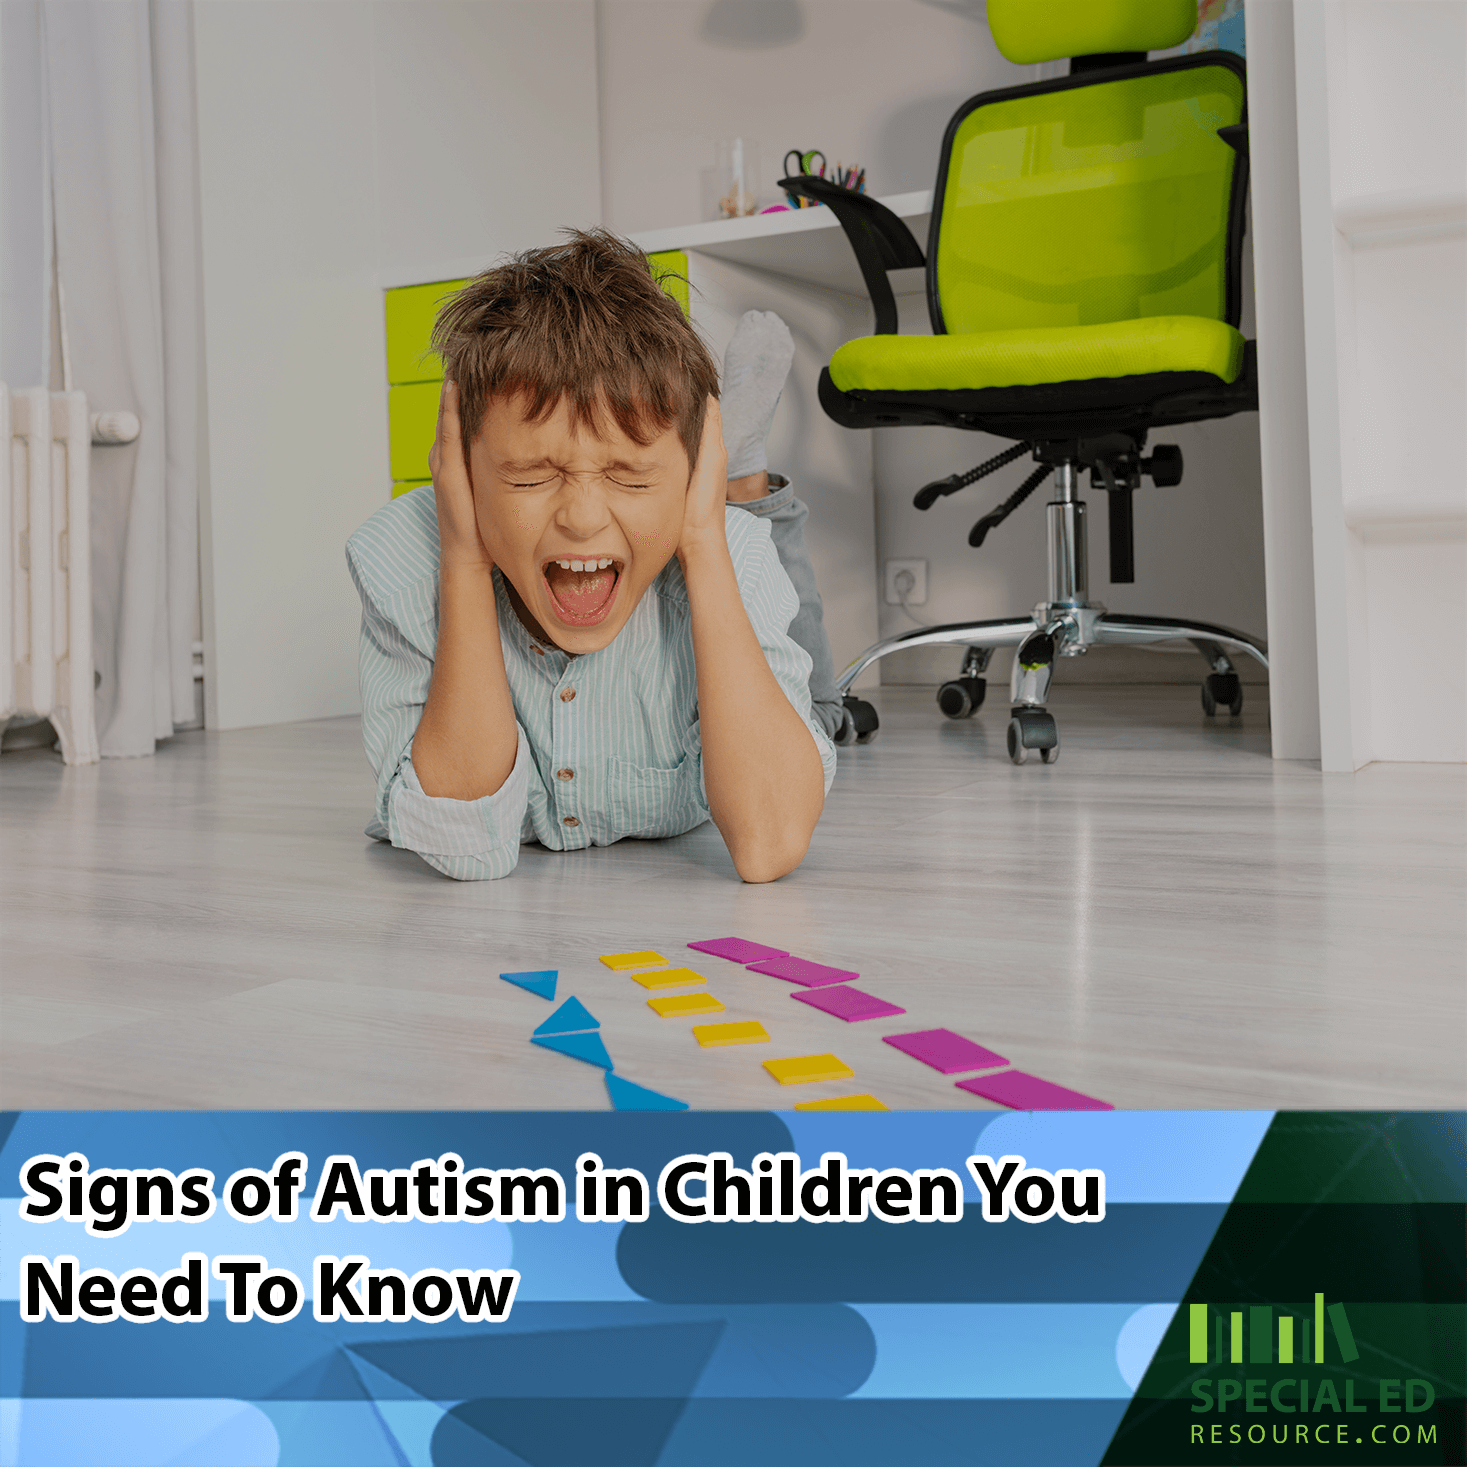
x: 1265, y: 1345
x: 1197, y: 1334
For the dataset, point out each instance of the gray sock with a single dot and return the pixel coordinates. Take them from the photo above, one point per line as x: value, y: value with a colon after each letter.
x: 754, y: 369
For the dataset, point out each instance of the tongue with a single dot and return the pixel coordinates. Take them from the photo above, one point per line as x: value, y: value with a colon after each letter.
x: 581, y: 593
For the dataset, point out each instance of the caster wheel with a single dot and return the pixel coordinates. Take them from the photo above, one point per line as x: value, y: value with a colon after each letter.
x: 1033, y: 728
x: 962, y: 697
x: 1017, y: 752
x: 1222, y: 689
x: 861, y: 723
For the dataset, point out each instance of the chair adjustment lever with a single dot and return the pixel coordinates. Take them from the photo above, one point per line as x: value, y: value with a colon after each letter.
x: 929, y: 494
x: 995, y: 517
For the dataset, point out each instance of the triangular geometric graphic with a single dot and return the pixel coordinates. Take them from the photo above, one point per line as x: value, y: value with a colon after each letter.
x: 586, y: 1047
x: 570, y: 1018
x: 407, y: 1418
x: 1338, y: 1270
x: 626, y: 1096
x: 541, y: 982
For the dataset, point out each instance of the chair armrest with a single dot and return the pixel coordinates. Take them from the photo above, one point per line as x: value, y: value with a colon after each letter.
x: 880, y: 239
x: 1236, y: 137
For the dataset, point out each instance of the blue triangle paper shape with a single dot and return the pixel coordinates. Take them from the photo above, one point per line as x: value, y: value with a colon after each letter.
x: 569, y: 1018
x: 626, y: 1096
x: 542, y: 982
x: 586, y: 1047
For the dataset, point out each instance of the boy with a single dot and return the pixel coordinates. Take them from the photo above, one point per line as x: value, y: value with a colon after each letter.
x: 577, y: 637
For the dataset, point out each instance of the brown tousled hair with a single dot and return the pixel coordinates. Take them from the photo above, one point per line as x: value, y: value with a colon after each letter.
x: 583, y: 321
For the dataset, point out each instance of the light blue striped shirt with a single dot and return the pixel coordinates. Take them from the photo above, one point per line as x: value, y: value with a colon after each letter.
x: 609, y: 742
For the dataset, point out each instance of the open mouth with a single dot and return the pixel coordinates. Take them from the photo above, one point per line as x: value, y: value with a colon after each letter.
x: 582, y: 588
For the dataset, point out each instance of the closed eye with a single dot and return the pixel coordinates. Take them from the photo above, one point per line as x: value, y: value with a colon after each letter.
x: 530, y: 484
x: 622, y: 485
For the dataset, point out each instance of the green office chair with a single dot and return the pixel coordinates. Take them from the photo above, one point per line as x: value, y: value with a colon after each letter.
x: 1084, y: 283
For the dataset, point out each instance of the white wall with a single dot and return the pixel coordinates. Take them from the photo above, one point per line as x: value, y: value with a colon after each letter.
x: 341, y: 144
x: 1283, y: 419
x: 1381, y: 89
x: 876, y: 81
x: 868, y: 81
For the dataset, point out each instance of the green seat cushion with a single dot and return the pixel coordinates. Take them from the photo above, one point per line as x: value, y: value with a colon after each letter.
x: 1038, y: 355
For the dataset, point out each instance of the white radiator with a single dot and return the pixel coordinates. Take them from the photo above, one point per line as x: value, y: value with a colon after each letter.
x: 45, y: 568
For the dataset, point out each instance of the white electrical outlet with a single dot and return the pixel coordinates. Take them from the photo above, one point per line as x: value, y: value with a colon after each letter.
x: 915, y: 590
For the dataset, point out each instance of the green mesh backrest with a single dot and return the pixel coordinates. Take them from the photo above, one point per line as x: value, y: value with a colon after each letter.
x: 1103, y: 202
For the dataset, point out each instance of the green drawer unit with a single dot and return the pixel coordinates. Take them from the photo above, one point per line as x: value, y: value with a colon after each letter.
x: 414, y: 373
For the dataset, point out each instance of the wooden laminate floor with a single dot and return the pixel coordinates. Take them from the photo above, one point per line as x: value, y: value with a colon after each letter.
x: 1164, y: 918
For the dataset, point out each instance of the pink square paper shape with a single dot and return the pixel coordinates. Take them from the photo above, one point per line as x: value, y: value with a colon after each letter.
x: 847, y: 1003
x: 1020, y: 1091
x: 738, y: 949
x: 946, y: 1052
x: 798, y: 970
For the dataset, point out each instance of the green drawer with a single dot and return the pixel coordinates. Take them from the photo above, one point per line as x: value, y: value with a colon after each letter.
x: 410, y: 314
x: 670, y: 267
x: 412, y: 420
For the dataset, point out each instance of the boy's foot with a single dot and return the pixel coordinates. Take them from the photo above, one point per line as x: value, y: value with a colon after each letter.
x: 754, y: 370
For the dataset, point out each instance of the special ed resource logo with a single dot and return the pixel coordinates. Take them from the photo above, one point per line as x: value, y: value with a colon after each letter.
x: 1276, y: 1337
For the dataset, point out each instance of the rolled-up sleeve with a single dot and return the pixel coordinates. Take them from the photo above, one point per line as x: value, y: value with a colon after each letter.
x: 468, y: 840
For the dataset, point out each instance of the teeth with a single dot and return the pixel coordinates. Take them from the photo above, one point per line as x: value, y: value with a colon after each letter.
x: 584, y: 565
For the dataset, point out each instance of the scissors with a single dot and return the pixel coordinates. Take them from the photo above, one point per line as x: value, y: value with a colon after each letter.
x: 803, y: 162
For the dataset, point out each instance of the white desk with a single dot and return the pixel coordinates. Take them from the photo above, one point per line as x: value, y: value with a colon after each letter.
x: 798, y: 264
x: 805, y: 245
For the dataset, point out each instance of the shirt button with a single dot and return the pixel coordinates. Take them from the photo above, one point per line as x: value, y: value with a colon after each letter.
x: 570, y: 820
x: 538, y: 651
x: 565, y: 774
x: 567, y: 694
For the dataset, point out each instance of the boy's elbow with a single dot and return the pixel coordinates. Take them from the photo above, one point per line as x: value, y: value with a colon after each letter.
x: 761, y: 861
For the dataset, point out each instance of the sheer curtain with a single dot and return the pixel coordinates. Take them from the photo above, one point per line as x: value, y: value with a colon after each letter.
x: 114, y: 116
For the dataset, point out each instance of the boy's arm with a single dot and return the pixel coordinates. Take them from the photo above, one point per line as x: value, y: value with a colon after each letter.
x: 466, y: 743
x: 761, y: 767
x: 468, y: 841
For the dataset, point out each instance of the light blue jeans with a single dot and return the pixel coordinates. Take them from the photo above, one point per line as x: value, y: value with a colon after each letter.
x: 787, y: 516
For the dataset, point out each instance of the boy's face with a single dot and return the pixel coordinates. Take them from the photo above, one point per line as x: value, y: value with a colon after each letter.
x: 580, y: 526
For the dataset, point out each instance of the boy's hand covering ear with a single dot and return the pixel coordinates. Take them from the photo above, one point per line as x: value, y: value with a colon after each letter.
x: 708, y: 488
x: 458, y: 527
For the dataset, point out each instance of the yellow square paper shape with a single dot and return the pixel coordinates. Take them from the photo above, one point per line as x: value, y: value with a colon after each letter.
x: 620, y: 962
x: 843, y: 1102
x: 668, y: 978
x: 679, y: 1005
x: 808, y: 1067
x: 750, y: 1033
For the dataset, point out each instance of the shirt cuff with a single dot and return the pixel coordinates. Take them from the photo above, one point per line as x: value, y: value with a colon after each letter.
x: 438, y: 826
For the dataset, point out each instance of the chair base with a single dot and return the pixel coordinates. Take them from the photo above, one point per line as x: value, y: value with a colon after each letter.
x: 1062, y: 629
